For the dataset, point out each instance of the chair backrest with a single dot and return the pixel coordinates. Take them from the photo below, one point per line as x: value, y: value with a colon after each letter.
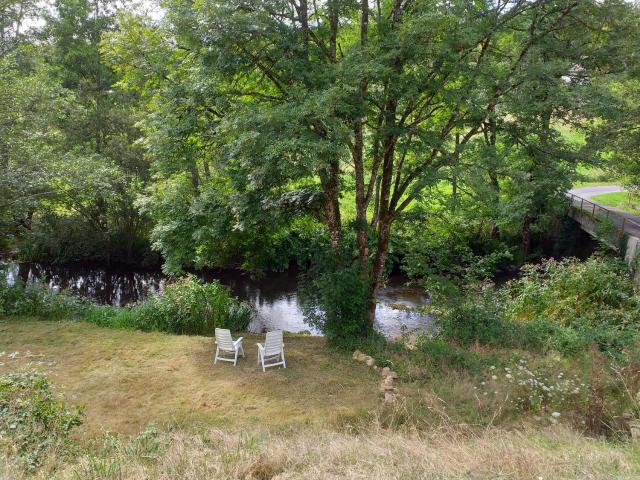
x: 223, y: 339
x: 273, y: 343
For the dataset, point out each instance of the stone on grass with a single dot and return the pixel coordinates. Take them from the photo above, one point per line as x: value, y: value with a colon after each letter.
x: 393, y: 375
x: 390, y: 398
x: 371, y: 362
x: 385, y: 371
x: 356, y: 355
x: 387, y: 384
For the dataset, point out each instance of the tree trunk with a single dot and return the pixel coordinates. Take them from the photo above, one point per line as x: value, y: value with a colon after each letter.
x: 330, y: 180
x: 361, y: 203
x: 377, y: 271
x: 358, y: 155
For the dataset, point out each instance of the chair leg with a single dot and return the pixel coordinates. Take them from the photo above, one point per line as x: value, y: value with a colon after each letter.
x: 284, y: 364
x: 215, y: 358
x: 242, y: 350
x: 235, y: 358
x: 263, y: 369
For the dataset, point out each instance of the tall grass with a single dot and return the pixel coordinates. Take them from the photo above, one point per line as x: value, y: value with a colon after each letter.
x: 447, y: 453
x: 185, y: 306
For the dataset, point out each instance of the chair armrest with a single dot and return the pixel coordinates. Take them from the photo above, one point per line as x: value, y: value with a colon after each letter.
x: 239, y: 340
x: 260, y: 347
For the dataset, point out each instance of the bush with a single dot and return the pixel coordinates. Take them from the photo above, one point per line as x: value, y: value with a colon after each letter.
x: 335, y: 300
x: 441, y: 355
x: 590, y: 301
x: 564, y: 306
x: 185, y: 306
x: 32, y: 423
x: 37, y: 300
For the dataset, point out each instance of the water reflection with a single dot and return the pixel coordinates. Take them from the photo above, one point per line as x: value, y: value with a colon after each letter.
x: 275, y: 297
x: 104, y: 286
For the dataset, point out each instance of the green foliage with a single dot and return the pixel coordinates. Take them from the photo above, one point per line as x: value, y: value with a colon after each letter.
x: 564, y: 306
x: 185, y: 306
x: 441, y: 355
x: 37, y: 300
x: 573, y: 293
x: 33, y: 424
x: 335, y: 300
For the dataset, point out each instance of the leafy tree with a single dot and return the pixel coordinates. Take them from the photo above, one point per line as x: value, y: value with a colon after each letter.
x: 364, y: 108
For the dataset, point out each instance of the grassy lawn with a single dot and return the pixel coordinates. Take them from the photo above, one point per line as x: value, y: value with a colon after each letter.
x: 321, y: 418
x: 129, y: 379
x: 620, y: 200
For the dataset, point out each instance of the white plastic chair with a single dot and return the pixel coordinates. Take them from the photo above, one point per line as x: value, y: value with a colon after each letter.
x: 225, y: 345
x: 272, y: 353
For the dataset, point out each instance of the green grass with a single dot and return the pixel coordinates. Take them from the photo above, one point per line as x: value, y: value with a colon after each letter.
x: 129, y: 379
x: 622, y: 200
x: 321, y: 417
x: 592, y: 176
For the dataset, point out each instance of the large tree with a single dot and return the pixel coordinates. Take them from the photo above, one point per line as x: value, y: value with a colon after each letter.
x: 367, y: 104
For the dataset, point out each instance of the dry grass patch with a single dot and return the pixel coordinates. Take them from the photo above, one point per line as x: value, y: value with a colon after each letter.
x: 129, y: 379
x: 556, y: 453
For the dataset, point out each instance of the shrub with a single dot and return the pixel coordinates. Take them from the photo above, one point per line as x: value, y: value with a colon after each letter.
x: 33, y: 424
x: 37, y: 300
x: 335, y: 300
x: 478, y: 318
x: 441, y: 355
x: 564, y: 306
x: 590, y: 301
x: 185, y: 306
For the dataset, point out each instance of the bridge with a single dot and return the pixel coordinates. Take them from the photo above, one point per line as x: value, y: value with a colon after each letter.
x: 613, y: 226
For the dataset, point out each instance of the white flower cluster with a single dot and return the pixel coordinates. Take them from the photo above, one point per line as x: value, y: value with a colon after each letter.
x: 533, y: 389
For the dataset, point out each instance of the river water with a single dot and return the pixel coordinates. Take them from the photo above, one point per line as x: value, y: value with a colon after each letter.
x: 274, y: 297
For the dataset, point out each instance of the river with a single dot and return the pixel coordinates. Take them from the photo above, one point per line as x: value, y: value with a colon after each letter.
x: 274, y: 297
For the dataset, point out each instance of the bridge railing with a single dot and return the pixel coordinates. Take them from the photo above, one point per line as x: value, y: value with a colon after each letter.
x: 597, y: 211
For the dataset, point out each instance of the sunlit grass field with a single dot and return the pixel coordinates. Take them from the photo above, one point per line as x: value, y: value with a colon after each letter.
x: 157, y: 408
x: 622, y: 200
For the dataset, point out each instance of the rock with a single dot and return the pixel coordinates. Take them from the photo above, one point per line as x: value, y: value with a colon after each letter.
x: 376, y: 368
x: 385, y: 371
x: 361, y: 357
x: 387, y: 384
x: 371, y: 362
x: 393, y: 375
x: 390, y: 398
x: 634, y: 426
x: 356, y: 354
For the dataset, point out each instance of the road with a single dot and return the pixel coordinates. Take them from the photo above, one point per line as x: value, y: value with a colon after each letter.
x: 632, y: 226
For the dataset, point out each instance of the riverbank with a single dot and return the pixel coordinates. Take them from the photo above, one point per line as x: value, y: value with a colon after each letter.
x: 155, y: 407
x: 274, y: 298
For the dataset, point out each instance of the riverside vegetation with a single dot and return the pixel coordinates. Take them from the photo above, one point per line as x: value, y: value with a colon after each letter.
x: 533, y: 369
x: 348, y: 140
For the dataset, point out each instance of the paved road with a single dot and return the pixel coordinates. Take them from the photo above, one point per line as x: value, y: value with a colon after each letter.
x: 589, y: 192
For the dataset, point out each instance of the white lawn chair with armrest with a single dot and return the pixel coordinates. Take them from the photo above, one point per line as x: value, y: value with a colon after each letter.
x: 226, y: 345
x: 272, y: 353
